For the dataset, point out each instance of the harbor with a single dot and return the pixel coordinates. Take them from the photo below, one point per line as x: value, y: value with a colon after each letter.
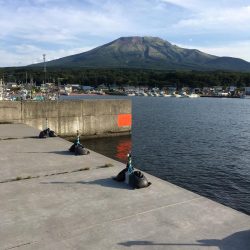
x: 52, y: 199
x: 52, y: 91
x: 125, y: 125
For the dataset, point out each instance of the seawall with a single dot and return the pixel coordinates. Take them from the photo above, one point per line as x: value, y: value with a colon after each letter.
x: 90, y: 117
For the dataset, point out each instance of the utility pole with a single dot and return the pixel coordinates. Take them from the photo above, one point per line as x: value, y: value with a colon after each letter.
x: 1, y: 89
x: 44, y: 69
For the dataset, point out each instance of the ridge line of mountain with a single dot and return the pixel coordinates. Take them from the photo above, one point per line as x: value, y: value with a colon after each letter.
x: 148, y: 53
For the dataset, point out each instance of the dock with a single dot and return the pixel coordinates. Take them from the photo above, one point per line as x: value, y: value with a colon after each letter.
x: 51, y: 199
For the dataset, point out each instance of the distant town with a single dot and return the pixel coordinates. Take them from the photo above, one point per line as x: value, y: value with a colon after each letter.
x: 12, y: 91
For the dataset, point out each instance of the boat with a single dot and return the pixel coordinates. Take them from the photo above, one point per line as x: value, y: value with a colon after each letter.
x: 193, y: 95
x: 130, y: 94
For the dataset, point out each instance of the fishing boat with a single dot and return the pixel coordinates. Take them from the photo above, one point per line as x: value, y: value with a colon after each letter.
x: 193, y: 95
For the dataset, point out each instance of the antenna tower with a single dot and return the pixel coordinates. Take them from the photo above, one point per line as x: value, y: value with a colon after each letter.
x: 44, y: 69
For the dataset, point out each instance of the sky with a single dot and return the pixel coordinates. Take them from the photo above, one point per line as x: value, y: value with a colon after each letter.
x: 58, y: 28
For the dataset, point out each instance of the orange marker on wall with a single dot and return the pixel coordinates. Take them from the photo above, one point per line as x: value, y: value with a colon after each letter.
x: 124, y: 120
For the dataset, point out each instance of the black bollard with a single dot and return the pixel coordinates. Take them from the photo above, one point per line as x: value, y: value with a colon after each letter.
x: 47, y: 132
x: 42, y: 134
x: 135, y: 179
x: 77, y: 147
x: 138, y: 180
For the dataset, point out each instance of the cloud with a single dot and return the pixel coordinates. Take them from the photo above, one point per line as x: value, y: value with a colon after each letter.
x: 61, y: 26
x: 225, y: 20
x: 187, y: 4
x: 239, y: 49
x: 28, y: 54
x: 204, y: 5
x: 58, y: 30
x: 63, y: 22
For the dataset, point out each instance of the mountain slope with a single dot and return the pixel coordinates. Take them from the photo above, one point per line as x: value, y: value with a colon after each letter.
x: 148, y: 52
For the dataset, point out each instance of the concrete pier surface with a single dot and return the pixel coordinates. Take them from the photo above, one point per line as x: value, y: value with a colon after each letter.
x: 51, y: 199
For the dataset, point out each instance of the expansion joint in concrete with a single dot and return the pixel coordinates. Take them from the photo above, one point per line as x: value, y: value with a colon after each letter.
x: 20, y: 245
x: 19, y: 178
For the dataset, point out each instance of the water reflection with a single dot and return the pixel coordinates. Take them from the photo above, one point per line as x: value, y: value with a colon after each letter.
x: 114, y: 147
x: 123, y: 148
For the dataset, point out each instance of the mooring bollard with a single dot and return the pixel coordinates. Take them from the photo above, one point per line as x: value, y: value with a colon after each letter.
x: 135, y: 179
x: 47, y: 127
x: 77, y: 147
x: 77, y: 137
x: 130, y: 168
x: 47, y: 132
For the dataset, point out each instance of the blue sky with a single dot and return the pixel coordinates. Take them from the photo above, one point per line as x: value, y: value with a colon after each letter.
x: 57, y: 28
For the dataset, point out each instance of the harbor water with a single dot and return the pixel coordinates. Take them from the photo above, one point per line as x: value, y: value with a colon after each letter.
x: 200, y: 144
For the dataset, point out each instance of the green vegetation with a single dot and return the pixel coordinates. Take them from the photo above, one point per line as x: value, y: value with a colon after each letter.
x: 125, y: 77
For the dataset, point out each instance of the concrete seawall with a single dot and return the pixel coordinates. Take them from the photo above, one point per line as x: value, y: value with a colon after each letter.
x: 90, y: 117
x: 10, y: 112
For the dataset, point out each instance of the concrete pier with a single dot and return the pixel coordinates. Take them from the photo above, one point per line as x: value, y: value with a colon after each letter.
x: 51, y: 199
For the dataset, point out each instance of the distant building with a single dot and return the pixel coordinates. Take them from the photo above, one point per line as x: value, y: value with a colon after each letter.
x: 102, y: 87
x: 87, y: 88
x: 232, y: 88
x: 75, y: 87
x: 171, y: 89
x: 11, y: 85
x: 218, y: 88
x: 247, y: 90
x: 207, y: 90
x: 129, y: 88
x: 68, y: 88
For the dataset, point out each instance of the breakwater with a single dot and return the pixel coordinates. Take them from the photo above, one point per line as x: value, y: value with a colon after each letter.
x: 90, y: 117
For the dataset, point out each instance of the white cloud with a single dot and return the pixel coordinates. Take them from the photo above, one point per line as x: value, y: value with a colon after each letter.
x: 238, y: 49
x: 226, y: 20
x: 56, y: 24
x: 56, y: 27
x: 29, y: 54
x: 206, y: 5
x: 187, y: 4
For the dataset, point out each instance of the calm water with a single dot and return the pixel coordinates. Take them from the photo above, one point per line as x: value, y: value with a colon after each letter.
x: 200, y: 144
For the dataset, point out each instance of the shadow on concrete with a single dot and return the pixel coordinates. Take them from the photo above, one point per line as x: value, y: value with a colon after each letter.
x: 239, y: 241
x: 106, y: 182
x: 61, y: 152
x: 64, y: 152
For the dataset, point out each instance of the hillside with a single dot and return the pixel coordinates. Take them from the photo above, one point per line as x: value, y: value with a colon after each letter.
x: 148, y: 53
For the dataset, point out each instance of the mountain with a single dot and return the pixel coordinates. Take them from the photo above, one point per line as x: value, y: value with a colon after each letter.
x: 151, y: 53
